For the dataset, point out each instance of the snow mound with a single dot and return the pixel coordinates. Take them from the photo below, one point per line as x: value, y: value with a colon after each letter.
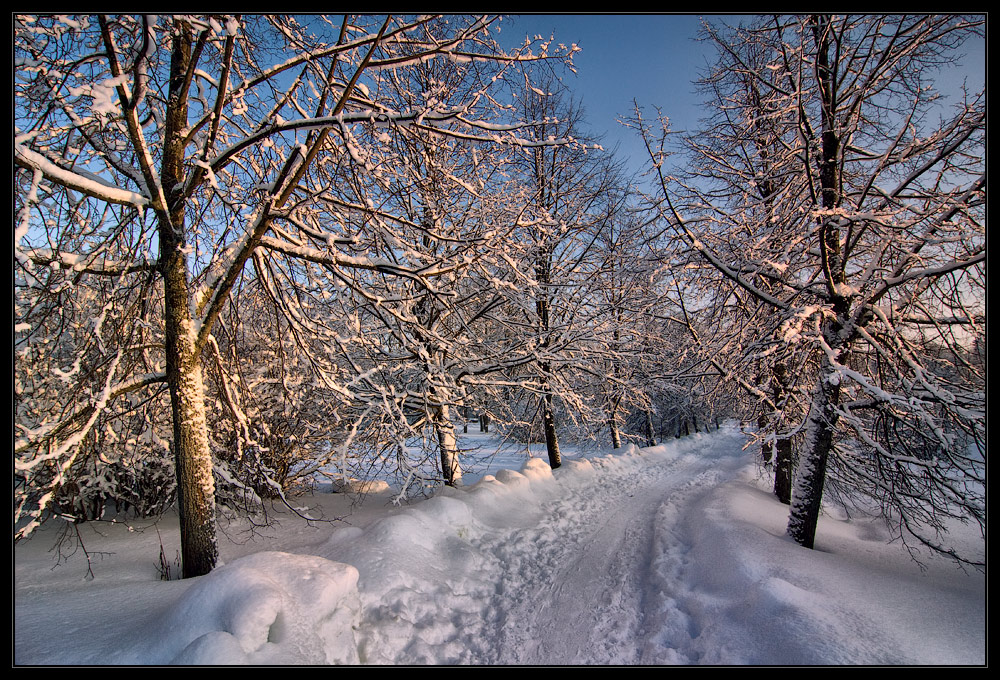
x: 536, y: 469
x: 266, y: 608
x: 511, y: 478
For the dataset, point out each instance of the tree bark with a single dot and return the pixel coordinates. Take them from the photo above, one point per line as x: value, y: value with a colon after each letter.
x: 808, y: 493
x: 616, y: 438
x: 551, y: 437
x: 445, y: 430
x: 192, y: 456
x: 783, y: 471
x: 783, y: 445
x: 781, y: 452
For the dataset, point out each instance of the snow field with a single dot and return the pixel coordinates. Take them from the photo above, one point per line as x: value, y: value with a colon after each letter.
x: 674, y: 554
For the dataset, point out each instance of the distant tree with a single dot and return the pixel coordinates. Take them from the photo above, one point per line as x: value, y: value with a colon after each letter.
x: 628, y: 288
x: 570, y: 191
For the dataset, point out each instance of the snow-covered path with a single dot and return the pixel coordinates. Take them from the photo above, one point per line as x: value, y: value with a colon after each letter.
x: 574, y: 588
x: 536, y: 567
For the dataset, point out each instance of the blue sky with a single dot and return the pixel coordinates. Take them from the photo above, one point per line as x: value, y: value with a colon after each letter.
x: 654, y: 59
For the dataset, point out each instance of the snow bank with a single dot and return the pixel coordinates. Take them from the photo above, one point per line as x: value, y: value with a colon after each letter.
x: 426, y: 581
x: 856, y: 599
x: 266, y: 608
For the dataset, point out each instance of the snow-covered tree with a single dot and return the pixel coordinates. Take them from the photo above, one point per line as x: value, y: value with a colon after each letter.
x: 170, y: 159
x: 627, y: 286
x: 843, y: 203
x: 569, y: 192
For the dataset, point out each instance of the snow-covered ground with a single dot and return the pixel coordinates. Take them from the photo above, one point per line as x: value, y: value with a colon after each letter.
x: 675, y: 554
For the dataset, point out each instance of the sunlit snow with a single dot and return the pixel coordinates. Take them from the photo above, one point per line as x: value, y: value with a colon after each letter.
x: 674, y: 554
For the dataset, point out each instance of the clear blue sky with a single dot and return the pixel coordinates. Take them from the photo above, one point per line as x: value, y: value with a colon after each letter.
x: 650, y: 58
x: 654, y: 59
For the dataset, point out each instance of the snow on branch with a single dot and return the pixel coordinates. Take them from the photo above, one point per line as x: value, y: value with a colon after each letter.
x: 88, y: 185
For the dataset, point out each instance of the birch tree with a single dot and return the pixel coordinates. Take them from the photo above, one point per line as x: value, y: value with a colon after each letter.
x: 850, y: 206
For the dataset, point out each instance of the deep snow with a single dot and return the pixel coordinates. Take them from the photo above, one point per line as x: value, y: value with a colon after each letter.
x: 674, y: 554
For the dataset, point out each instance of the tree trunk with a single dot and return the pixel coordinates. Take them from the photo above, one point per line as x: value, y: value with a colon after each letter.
x: 783, y: 445
x: 808, y: 493
x: 543, y: 270
x: 783, y: 471
x: 616, y: 438
x: 445, y: 430
x: 820, y: 428
x: 766, y: 452
x: 650, y: 437
x: 551, y: 437
x: 192, y: 456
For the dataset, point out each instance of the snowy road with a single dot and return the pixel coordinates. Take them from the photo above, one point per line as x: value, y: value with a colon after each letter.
x: 565, y: 580
x: 582, y: 600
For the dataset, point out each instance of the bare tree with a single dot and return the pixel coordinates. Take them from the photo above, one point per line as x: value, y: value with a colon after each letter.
x: 570, y: 191
x: 186, y: 152
x: 857, y: 222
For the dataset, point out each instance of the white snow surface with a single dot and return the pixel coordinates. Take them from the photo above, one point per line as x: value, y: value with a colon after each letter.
x: 674, y: 554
